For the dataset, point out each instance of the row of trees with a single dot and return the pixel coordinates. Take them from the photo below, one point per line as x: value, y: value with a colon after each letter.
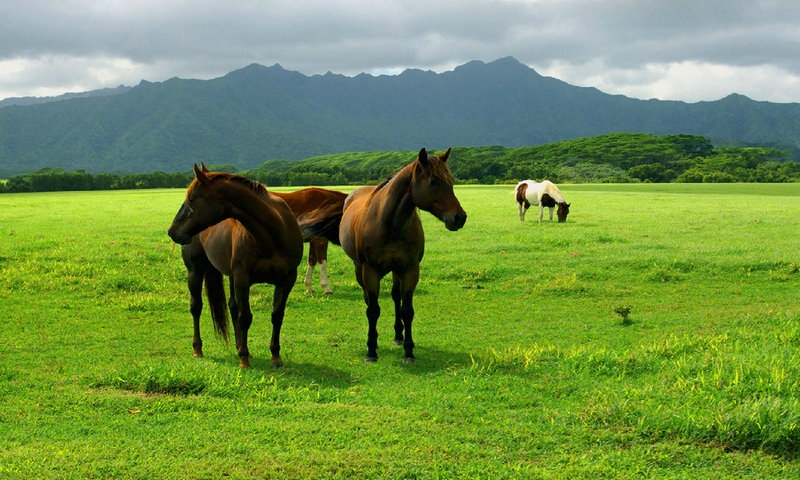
x: 608, y: 158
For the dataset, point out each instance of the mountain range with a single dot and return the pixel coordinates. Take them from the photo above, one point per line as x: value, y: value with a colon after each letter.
x: 259, y: 113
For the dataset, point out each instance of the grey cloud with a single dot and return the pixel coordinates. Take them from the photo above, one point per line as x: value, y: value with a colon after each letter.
x: 204, y: 38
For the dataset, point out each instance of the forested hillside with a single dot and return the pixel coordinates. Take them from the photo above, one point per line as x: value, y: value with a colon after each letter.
x: 259, y: 113
x: 620, y: 157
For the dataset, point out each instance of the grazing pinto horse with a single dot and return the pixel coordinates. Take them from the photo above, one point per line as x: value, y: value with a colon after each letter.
x: 381, y: 232
x: 303, y: 202
x: 544, y: 194
x: 232, y: 225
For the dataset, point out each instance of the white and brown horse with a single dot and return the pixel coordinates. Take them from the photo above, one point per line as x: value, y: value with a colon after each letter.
x: 544, y: 194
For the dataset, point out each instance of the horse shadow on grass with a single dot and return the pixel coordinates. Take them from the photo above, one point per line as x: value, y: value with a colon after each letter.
x: 429, y: 360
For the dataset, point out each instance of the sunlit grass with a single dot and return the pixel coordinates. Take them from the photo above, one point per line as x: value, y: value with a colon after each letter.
x: 525, y: 367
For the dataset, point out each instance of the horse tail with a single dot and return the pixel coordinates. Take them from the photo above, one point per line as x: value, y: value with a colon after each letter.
x: 326, y: 227
x: 322, y: 222
x: 217, y: 303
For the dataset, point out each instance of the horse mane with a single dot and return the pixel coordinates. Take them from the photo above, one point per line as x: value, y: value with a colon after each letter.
x: 251, y: 185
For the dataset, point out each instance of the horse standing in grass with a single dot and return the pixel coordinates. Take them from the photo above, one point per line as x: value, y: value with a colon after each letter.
x: 544, y: 194
x: 231, y: 225
x: 303, y: 202
x: 381, y: 232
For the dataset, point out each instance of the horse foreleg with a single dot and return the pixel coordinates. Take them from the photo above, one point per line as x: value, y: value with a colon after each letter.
x: 402, y: 293
x: 370, y: 283
x: 541, y: 212
x: 195, y: 280
x: 279, y: 299
x: 551, y: 214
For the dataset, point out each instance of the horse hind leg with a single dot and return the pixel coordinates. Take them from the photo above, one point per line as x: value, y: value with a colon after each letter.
x: 322, y: 259
x: 312, y: 261
x: 523, y: 207
x: 370, y: 283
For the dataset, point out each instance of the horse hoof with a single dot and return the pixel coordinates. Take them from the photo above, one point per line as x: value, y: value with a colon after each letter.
x: 371, y: 359
x: 328, y: 292
x: 409, y: 360
x: 276, y: 363
x: 244, y: 364
x: 398, y: 342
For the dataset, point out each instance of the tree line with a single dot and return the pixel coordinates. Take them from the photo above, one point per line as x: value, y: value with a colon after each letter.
x: 620, y: 158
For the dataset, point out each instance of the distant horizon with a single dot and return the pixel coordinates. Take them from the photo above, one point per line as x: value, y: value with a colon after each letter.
x: 393, y: 72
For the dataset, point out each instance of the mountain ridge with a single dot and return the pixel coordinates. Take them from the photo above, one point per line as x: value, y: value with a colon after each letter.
x: 258, y: 113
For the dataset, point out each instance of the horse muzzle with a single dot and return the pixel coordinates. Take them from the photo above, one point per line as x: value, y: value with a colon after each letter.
x: 455, y: 222
x: 181, y: 238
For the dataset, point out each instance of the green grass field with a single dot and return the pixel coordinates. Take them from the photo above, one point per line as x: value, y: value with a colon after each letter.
x: 525, y: 369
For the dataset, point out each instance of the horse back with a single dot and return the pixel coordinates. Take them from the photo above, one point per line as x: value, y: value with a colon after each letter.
x: 308, y: 199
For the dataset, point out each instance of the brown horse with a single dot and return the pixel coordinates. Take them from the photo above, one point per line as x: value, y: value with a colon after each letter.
x: 231, y: 225
x: 303, y: 202
x: 381, y: 232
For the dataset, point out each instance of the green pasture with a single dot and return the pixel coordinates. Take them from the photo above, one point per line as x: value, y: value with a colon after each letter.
x: 656, y: 334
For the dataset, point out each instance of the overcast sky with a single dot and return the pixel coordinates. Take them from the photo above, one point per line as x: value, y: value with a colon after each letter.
x: 688, y: 50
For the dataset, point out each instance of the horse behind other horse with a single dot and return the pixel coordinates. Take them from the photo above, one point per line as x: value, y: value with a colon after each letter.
x: 310, y: 201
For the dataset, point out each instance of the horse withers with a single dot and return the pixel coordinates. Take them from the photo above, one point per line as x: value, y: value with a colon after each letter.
x: 544, y: 194
x: 231, y: 225
x: 381, y: 231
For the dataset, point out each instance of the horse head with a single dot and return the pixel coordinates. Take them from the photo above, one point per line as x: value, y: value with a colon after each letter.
x: 432, y: 189
x: 200, y: 210
x: 562, y: 212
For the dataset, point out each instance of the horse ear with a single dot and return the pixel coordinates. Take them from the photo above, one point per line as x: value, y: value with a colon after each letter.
x: 204, y: 168
x: 443, y: 157
x: 423, y: 156
x: 200, y: 175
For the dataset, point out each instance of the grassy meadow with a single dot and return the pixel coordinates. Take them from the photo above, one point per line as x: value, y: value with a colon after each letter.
x: 655, y: 334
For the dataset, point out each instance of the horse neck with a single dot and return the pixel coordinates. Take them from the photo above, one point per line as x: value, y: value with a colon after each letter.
x: 556, y: 194
x: 255, y: 211
x: 394, y: 200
